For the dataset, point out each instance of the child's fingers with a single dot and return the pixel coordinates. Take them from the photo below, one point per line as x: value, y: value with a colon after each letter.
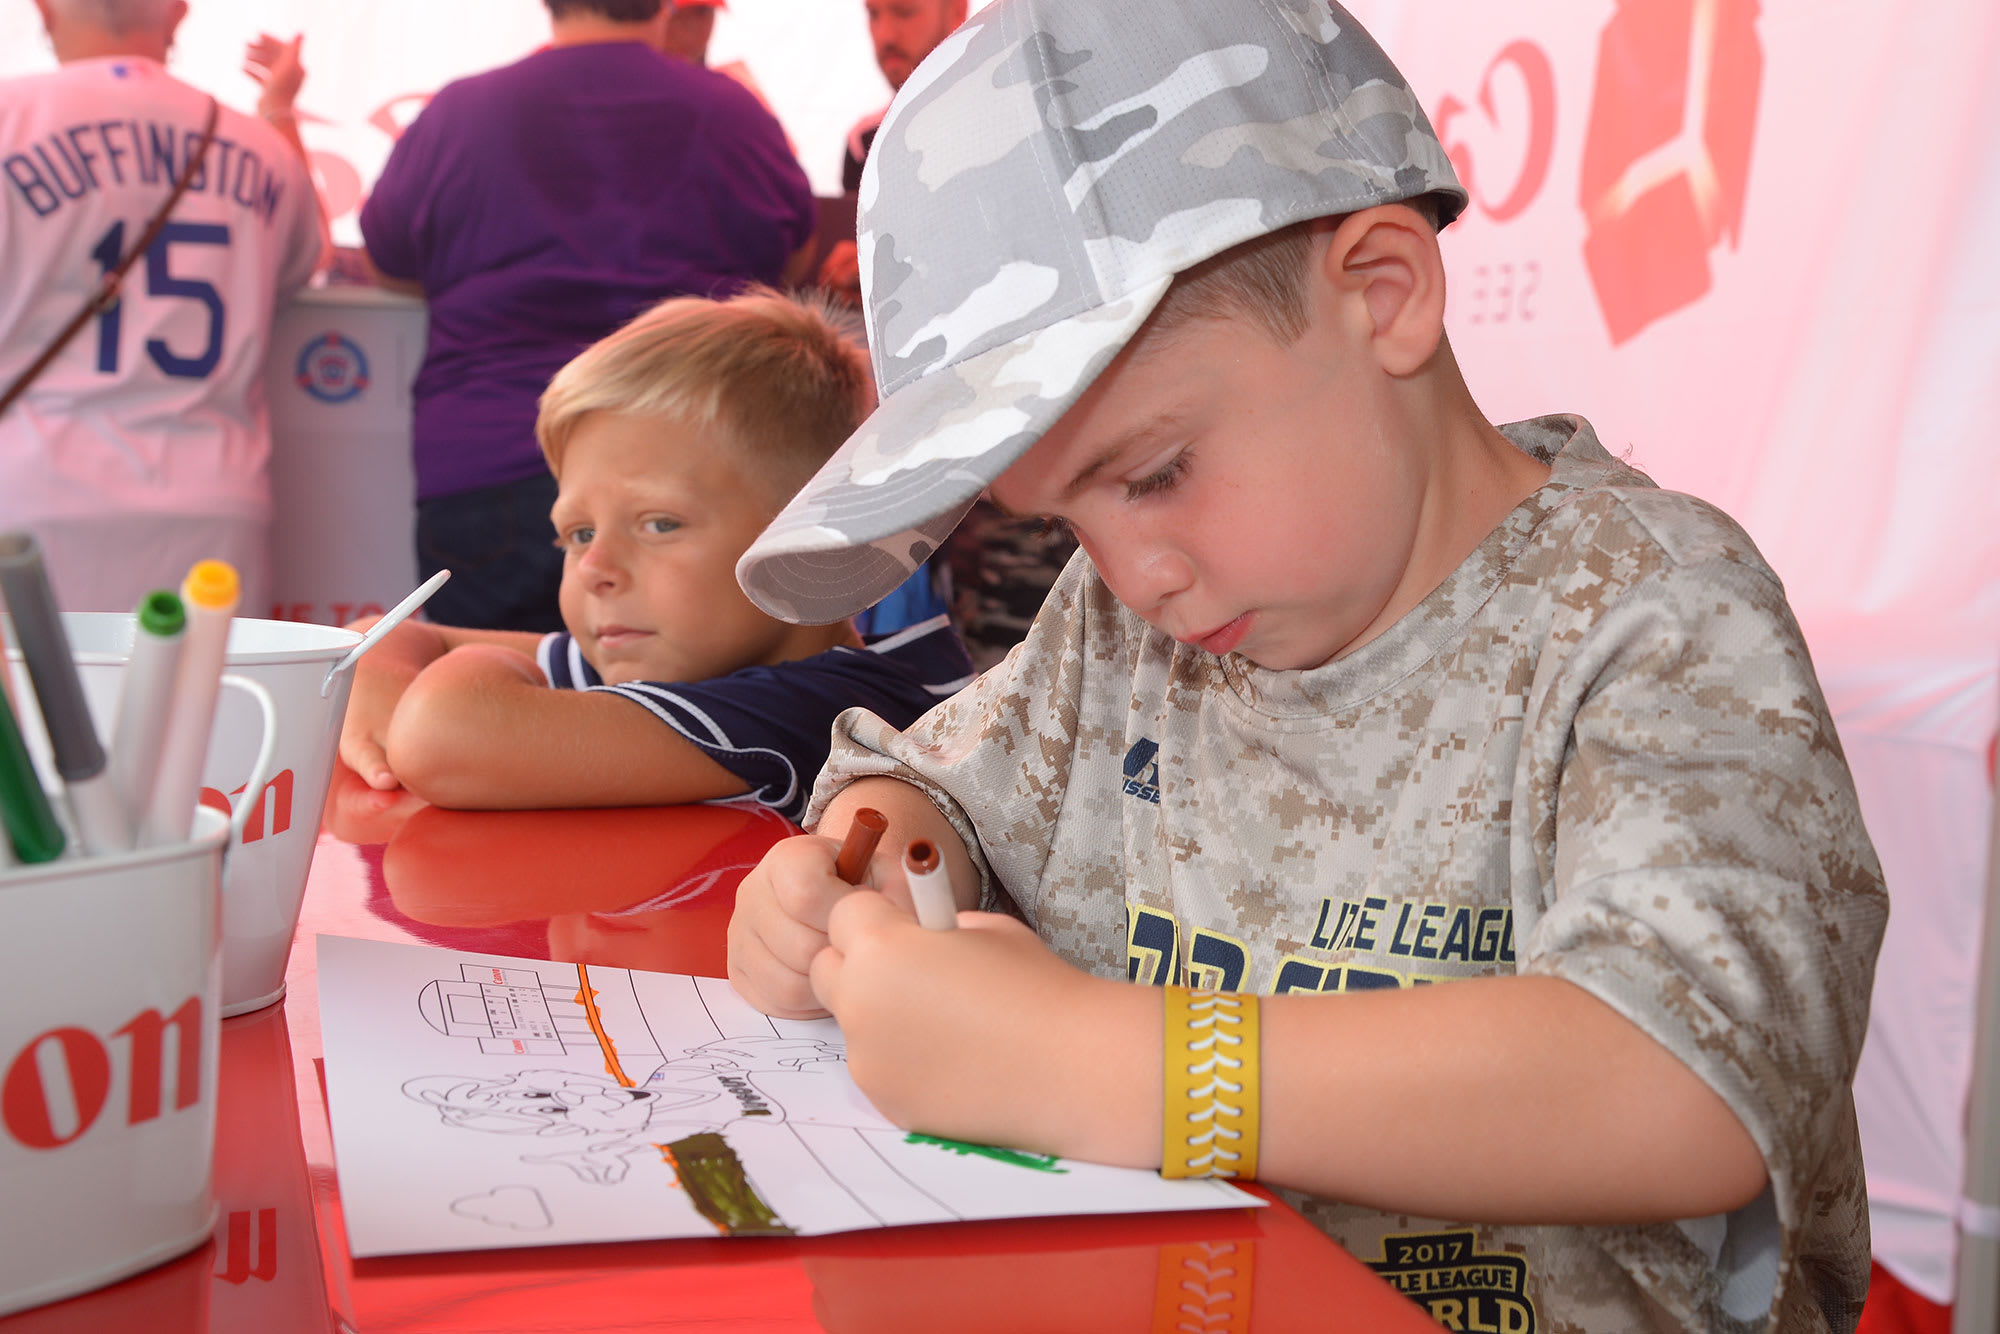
x: 788, y: 941
x: 857, y: 917
x: 828, y: 968
x: 802, y: 880
x: 364, y: 754
x: 778, y: 925
x: 773, y: 979
x: 771, y: 987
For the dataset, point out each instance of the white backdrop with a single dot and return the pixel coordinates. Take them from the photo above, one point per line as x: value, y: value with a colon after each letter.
x: 370, y: 63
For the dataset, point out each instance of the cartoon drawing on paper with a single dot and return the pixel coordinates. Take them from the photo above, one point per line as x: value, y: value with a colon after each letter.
x: 595, y: 1125
x: 530, y: 1102
x: 591, y: 1121
x: 519, y: 1207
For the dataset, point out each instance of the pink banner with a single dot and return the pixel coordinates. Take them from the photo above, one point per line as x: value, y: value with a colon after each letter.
x: 1752, y: 243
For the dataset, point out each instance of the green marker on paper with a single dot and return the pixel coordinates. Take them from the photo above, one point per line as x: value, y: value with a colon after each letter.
x: 24, y: 807
x: 1034, y: 1162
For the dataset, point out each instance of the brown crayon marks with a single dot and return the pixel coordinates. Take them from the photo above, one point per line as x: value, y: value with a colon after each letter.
x: 713, y: 1176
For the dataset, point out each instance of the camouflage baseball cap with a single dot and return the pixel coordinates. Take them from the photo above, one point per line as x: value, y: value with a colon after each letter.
x: 1031, y: 193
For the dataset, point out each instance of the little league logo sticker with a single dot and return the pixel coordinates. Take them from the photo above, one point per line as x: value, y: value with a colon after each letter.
x: 332, y: 368
x: 1459, y: 1285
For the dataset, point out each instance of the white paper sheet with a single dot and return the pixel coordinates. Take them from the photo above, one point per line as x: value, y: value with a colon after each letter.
x: 481, y: 1102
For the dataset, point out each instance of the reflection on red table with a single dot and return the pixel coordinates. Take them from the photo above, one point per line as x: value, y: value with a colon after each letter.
x: 651, y: 889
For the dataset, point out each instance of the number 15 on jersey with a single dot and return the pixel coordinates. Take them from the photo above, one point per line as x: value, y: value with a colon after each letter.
x: 161, y: 282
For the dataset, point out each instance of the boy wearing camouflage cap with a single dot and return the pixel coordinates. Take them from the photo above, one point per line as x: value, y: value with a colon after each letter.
x: 1349, y: 691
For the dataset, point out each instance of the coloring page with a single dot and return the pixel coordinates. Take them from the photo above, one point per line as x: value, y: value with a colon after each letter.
x: 480, y: 1101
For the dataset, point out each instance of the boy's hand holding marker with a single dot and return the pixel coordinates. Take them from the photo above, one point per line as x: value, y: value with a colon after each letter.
x: 942, y: 1025
x: 783, y: 906
x: 983, y: 1034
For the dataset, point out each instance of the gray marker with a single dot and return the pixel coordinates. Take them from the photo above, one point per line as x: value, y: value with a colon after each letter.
x: 103, y: 823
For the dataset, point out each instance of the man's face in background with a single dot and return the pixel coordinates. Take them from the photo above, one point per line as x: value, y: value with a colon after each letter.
x: 689, y: 29
x: 904, y: 31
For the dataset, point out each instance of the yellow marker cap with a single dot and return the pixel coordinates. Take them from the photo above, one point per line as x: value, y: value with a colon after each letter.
x: 211, y: 584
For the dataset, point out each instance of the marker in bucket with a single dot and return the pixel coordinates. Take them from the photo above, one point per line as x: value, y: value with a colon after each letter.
x: 930, y: 886
x: 209, y: 596
x: 103, y: 823
x: 146, y: 696
x: 31, y: 831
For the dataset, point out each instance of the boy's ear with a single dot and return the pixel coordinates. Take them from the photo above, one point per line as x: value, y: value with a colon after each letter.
x: 1384, y: 263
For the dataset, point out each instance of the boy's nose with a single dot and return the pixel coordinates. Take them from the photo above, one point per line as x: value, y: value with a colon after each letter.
x: 1144, y: 574
x: 602, y: 561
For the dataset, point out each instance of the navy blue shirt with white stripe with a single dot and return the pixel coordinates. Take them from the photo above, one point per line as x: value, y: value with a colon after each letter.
x: 772, y: 726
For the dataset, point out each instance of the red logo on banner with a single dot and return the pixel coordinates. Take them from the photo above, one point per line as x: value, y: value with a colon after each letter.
x: 1666, y: 163
x: 1539, y: 80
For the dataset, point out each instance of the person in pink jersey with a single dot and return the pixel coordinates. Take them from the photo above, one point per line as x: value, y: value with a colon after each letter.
x: 144, y: 445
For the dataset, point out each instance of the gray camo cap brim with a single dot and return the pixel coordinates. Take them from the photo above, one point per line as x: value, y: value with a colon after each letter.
x: 1030, y: 194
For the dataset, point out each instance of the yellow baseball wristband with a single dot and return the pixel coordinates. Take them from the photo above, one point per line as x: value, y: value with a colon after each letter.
x: 1210, y: 1127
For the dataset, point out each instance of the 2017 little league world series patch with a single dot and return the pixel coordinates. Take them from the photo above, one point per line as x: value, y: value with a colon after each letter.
x: 1460, y: 1286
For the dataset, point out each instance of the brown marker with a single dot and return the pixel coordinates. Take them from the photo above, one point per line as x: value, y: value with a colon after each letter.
x: 858, y: 848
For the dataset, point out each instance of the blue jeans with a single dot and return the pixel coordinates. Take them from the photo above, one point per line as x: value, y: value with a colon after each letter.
x: 500, y: 549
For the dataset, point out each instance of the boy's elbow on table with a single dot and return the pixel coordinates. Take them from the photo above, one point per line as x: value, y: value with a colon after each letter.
x: 450, y: 741
x: 434, y: 762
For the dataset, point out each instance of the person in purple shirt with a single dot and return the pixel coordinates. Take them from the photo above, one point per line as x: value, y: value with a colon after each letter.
x: 537, y: 207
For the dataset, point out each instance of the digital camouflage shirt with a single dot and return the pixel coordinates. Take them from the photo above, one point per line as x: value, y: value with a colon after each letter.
x: 1596, y: 751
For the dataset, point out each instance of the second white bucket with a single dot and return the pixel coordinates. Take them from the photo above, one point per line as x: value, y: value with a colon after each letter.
x: 266, y: 875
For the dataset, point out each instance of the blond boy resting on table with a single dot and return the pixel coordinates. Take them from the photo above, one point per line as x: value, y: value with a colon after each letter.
x: 1348, y: 691
x: 673, y: 442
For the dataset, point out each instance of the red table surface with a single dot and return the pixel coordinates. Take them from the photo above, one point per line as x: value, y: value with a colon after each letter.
x: 643, y: 888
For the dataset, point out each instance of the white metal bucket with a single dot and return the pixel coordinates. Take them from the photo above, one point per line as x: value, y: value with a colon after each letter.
x: 267, y: 875
x: 108, y: 1047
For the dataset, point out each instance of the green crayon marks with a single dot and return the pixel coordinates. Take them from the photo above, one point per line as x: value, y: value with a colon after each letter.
x: 713, y: 1176
x: 1034, y: 1162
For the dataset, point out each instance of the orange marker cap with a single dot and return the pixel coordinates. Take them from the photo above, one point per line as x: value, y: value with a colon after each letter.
x: 212, y: 584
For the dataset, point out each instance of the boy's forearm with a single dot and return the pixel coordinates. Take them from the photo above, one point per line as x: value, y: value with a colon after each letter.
x: 1517, y: 1099
x: 911, y: 815
x: 386, y: 672
x: 402, y: 653
x: 1521, y: 1099
x: 481, y: 730
x: 456, y: 735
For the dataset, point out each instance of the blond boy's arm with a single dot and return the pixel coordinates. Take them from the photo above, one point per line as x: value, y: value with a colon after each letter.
x: 479, y: 729
x: 385, y: 673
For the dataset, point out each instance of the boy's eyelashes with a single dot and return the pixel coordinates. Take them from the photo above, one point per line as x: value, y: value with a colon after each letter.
x: 1163, y: 478
x: 583, y: 534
